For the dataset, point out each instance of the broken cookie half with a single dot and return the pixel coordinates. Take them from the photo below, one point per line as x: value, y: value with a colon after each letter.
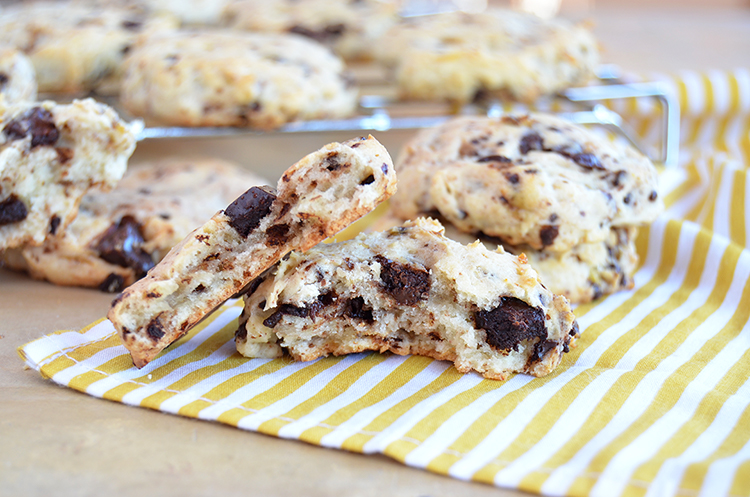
x: 410, y: 290
x: 315, y: 199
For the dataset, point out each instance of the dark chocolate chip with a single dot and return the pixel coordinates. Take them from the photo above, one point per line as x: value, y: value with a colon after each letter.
x: 155, y: 329
x: 627, y: 199
x: 328, y: 33
x: 36, y: 121
x: 241, y: 333
x: 355, y: 308
x: 246, y: 213
x: 512, y: 178
x: 112, y: 283
x: 4, y: 78
x: 368, y: 180
x: 589, y: 161
x: 131, y: 25
x: 122, y: 245
x: 494, y: 158
x: 311, y: 311
x: 277, y: 234
x: 531, y: 141
x: 407, y: 284
x: 12, y: 210
x: 333, y: 161
x: 618, y: 177
x: 653, y: 196
x: 199, y: 289
x: 548, y: 234
x: 541, y: 348
x: 511, y: 322
x: 54, y: 223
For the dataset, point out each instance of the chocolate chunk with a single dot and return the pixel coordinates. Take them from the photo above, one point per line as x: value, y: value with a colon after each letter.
x: 199, y: 289
x: 589, y: 161
x: 333, y: 161
x: 653, y: 196
x: 36, y: 121
x: 131, y: 25
x: 355, y: 308
x: 311, y: 311
x: 112, y: 283
x: 510, y: 323
x: 328, y: 33
x: 122, y: 245
x: 241, y: 333
x: 54, y: 223
x: 155, y: 329
x: 512, y: 178
x: 368, y: 180
x: 548, y: 234
x: 12, y: 210
x: 277, y: 234
x: 494, y: 158
x: 618, y: 178
x: 541, y: 348
x: 246, y: 213
x: 627, y: 199
x: 531, y: 141
x: 574, y: 330
x: 4, y: 78
x: 407, y: 284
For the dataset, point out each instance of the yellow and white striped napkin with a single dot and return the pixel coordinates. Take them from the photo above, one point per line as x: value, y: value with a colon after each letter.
x: 654, y: 400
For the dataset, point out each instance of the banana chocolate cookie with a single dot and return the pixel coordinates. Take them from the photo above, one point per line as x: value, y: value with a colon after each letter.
x: 409, y: 290
x: 50, y: 156
x: 458, y: 56
x: 528, y: 179
x: 118, y: 236
x: 75, y: 47
x: 351, y: 29
x: 315, y: 198
x: 233, y: 78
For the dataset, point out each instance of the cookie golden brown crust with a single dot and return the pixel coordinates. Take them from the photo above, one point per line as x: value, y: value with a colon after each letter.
x: 410, y: 290
x: 317, y: 197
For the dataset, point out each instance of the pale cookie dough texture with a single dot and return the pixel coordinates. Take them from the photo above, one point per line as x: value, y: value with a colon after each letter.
x: 74, y: 47
x: 315, y: 199
x: 410, y: 290
x: 459, y: 56
x: 351, y: 28
x: 50, y: 156
x: 213, y: 78
x: 17, y: 77
x: 120, y: 235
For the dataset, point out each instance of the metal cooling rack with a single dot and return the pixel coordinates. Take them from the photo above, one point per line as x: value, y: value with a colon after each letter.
x: 378, y: 112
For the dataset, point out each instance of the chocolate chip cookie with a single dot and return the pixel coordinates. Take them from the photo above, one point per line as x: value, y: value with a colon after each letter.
x: 50, y: 156
x: 315, y: 199
x: 409, y: 290
x: 75, y: 47
x: 351, y: 29
x: 529, y: 179
x: 458, y: 56
x: 214, y: 78
x: 17, y: 79
x: 581, y: 274
x: 118, y: 236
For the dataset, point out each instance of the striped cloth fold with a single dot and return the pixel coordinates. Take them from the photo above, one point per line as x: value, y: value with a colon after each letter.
x: 653, y: 401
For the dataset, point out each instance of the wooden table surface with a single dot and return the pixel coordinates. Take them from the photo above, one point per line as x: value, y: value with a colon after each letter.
x: 56, y: 441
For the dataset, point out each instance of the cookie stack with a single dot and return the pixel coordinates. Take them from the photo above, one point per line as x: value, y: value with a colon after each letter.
x: 536, y: 184
x: 409, y: 291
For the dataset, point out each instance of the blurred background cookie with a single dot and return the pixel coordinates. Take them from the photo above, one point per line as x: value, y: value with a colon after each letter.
x: 120, y: 235
x: 214, y: 78
x: 17, y: 76
x: 75, y: 47
x: 458, y: 56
